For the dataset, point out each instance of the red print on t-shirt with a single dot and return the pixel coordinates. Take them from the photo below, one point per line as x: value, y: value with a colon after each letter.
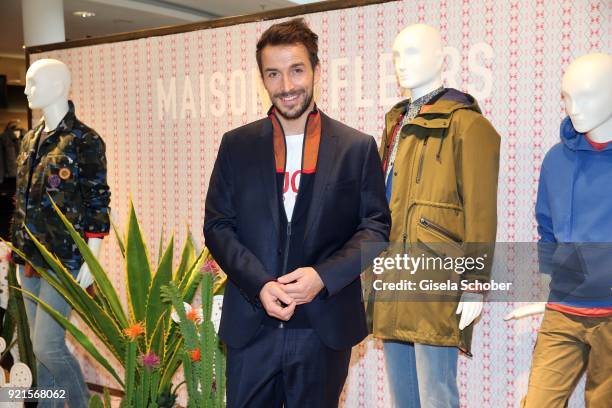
x: 295, y: 181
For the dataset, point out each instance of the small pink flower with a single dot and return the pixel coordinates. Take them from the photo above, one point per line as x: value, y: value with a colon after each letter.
x: 149, y: 360
x: 210, y: 266
x: 8, y: 256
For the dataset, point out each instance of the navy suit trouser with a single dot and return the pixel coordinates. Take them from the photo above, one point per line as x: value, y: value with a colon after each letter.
x: 285, y: 367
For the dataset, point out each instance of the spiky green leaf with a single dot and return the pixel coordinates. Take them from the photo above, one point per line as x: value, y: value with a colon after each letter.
x: 104, y: 285
x: 138, y: 268
x: 78, y: 335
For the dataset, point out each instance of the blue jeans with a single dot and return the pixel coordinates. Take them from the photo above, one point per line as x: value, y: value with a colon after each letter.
x: 422, y: 375
x: 56, y: 367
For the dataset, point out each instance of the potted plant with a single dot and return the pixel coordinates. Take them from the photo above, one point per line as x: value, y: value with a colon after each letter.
x: 142, y: 338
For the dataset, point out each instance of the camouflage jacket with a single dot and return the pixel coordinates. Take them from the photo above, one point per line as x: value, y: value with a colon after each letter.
x: 69, y: 166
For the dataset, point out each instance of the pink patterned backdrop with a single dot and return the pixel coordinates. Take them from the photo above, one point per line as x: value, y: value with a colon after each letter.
x: 163, y: 103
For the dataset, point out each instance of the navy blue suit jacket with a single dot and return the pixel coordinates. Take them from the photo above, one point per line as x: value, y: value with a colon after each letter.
x: 241, y: 228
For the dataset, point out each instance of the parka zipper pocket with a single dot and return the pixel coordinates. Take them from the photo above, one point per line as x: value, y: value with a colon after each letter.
x: 405, y: 234
x: 421, y: 160
x: 440, y: 230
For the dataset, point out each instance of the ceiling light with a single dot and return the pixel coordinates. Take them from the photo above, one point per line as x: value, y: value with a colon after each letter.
x: 84, y: 14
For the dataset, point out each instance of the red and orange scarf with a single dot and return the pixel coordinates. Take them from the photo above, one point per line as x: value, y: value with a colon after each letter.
x: 312, y: 139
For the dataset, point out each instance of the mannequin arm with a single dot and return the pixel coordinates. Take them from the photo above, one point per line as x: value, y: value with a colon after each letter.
x: 546, y: 246
x: 84, y: 278
x: 527, y: 310
x: 470, y: 307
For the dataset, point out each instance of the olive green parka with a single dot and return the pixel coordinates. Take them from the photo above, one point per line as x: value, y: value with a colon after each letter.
x: 444, y: 191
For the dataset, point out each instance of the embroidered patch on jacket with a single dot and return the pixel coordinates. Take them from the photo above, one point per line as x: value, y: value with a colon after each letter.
x: 54, y: 181
x: 65, y: 173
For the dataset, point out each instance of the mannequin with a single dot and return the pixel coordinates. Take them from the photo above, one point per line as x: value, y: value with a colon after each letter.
x: 61, y: 161
x: 576, y: 331
x: 588, y: 103
x: 419, y: 70
x: 418, y: 60
x: 47, y: 88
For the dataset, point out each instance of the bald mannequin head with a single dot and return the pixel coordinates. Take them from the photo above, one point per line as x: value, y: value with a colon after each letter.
x: 47, y: 88
x: 418, y: 57
x: 586, y: 89
x: 47, y: 82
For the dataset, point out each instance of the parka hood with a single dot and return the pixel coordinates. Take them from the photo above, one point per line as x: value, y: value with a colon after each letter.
x: 447, y: 102
x: 575, y: 140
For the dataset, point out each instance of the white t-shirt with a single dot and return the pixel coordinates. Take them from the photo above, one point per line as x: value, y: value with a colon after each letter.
x: 293, y: 170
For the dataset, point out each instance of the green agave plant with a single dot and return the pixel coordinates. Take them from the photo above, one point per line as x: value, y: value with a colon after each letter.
x: 105, y: 316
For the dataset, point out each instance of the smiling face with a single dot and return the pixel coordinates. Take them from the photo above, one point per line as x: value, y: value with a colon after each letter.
x: 289, y: 78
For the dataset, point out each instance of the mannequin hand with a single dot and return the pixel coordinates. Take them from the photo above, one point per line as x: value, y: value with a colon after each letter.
x: 527, y: 310
x: 470, y: 307
x: 84, y: 278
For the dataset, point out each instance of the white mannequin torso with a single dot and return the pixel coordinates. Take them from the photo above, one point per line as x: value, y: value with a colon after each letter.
x: 54, y: 114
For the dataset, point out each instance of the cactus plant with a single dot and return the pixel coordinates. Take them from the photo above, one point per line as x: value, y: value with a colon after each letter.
x: 202, y: 353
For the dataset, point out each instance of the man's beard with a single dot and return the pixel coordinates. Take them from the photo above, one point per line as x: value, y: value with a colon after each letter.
x: 301, y: 108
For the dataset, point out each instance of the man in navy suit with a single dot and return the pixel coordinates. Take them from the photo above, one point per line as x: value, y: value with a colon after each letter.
x: 292, y: 199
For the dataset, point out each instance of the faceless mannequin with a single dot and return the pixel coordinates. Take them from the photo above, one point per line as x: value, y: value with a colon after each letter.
x: 418, y: 58
x: 587, y: 93
x: 47, y: 88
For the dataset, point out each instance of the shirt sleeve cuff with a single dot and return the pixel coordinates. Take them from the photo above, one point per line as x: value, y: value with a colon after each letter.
x: 95, y: 234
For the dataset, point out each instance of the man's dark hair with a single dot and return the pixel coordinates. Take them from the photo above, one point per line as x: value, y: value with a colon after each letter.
x: 291, y: 32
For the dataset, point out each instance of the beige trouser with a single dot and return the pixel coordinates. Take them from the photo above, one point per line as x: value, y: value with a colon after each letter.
x: 566, y: 346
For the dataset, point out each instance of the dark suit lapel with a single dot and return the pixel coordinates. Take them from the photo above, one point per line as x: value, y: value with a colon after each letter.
x: 325, y: 161
x: 264, y: 157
